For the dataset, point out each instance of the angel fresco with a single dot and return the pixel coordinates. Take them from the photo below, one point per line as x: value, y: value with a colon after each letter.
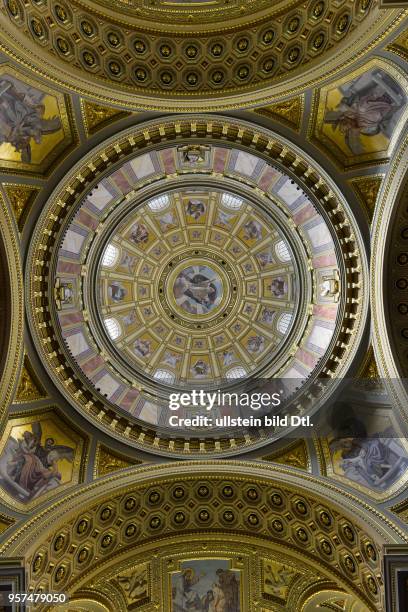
x: 29, y: 465
x: 370, y: 105
x: 21, y: 116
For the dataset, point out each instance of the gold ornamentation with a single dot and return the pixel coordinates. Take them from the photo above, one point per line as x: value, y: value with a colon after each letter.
x: 5, y: 522
x: 368, y: 369
x: 21, y: 198
x: 277, y: 578
x: 109, y: 461
x: 401, y: 510
x: 288, y: 112
x: 130, y: 529
x: 338, y: 605
x: 15, y: 340
x: 140, y: 51
x: 367, y: 188
x: 399, y: 45
x: 97, y: 116
x: 135, y: 585
x: 29, y: 388
x: 296, y: 456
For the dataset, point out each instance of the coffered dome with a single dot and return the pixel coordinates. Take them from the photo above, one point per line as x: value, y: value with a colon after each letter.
x: 193, y: 262
x: 191, y: 55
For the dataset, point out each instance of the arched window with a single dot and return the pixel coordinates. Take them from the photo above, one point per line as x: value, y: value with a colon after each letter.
x: 159, y: 203
x: 230, y: 201
x: 284, y: 322
x: 113, y: 328
x: 282, y: 251
x: 237, y: 372
x: 164, y: 376
x: 110, y: 256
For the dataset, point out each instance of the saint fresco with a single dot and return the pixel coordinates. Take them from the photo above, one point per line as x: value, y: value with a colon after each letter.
x: 366, y: 451
x: 206, y: 585
x: 36, y: 459
x: 360, y: 117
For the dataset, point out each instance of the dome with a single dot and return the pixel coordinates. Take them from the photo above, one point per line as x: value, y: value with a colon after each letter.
x: 195, y: 264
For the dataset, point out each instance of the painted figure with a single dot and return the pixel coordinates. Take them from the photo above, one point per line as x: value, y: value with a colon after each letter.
x: 21, y: 116
x: 142, y: 348
x: 116, y: 291
x: 195, y: 209
x: 370, y: 105
x: 252, y: 231
x: 197, y: 289
x: 139, y: 234
x: 28, y: 467
x: 201, y: 586
x: 256, y: 344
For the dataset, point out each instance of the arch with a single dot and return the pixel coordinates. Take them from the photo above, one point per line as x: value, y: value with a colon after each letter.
x: 262, y: 508
x: 11, y: 307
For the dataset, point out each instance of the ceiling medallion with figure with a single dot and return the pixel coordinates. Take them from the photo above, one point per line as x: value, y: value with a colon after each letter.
x: 198, y: 289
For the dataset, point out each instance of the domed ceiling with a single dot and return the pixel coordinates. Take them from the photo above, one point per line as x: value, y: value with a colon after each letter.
x: 196, y: 285
x: 192, y: 264
x: 178, y: 54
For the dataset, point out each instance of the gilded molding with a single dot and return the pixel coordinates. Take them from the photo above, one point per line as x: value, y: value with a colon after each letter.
x: 101, y: 498
x: 399, y: 45
x: 379, y: 524
x: 21, y: 198
x: 15, y: 344
x: 381, y: 228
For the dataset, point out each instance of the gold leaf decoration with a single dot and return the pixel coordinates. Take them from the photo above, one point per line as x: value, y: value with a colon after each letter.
x: 288, y: 112
x: 109, y: 461
x: 295, y: 456
x: 339, y: 605
x: 29, y: 387
x: 367, y: 188
x: 369, y: 366
x: 5, y: 522
x: 401, y: 510
x: 97, y: 116
x: 399, y: 46
x: 21, y: 198
x: 368, y: 371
